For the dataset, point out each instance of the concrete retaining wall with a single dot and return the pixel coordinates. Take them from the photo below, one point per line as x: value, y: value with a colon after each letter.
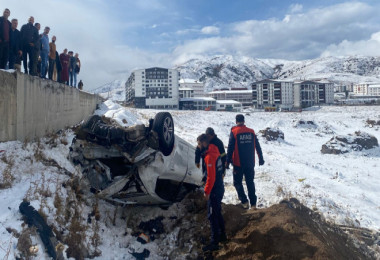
x: 32, y: 107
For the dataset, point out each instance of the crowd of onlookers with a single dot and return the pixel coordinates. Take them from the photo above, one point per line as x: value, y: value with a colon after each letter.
x: 38, y: 56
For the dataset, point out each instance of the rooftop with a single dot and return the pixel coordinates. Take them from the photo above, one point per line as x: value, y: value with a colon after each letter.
x: 197, y: 99
x: 227, y: 102
x: 191, y: 81
x: 231, y: 92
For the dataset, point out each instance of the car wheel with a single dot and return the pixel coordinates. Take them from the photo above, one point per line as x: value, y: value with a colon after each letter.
x: 163, y: 125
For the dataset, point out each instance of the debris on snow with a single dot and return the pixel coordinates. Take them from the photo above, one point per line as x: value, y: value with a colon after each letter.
x: 272, y: 134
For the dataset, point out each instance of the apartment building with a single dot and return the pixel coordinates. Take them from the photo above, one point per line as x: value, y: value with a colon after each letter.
x: 156, y: 88
x: 309, y: 93
x: 197, y: 86
x: 272, y: 93
x: 370, y: 89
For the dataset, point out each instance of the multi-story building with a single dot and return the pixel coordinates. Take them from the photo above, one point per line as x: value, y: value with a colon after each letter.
x: 272, y: 93
x: 197, y: 86
x: 374, y: 90
x: 153, y: 88
x: 309, y: 93
x: 371, y: 89
x: 242, y: 96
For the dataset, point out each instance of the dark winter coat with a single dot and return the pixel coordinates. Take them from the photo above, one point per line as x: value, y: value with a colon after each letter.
x: 65, y: 59
x: 218, y: 143
x: 15, y: 42
x: 2, y: 28
x: 242, y: 146
x: 29, y: 34
x: 73, y: 62
x: 58, y: 62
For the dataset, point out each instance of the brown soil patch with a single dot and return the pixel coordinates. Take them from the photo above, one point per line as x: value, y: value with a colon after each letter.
x: 287, y: 230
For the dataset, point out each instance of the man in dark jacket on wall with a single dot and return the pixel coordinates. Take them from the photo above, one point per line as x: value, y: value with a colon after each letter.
x: 15, y: 49
x: 29, y: 36
x: 213, y: 192
x: 242, y: 145
x: 36, y: 51
x: 5, y: 30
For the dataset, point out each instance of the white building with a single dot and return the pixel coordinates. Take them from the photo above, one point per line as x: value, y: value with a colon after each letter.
x: 242, y: 96
x: 374, y: 90
x: 197, y: 86
x: 309, y: 93
x: 371, y: 89
x: 197, y: 103
x: 228, y: 105
x: 273, y: 93
x: 153, y: 88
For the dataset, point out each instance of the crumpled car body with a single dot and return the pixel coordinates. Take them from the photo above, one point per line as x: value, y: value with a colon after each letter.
x: 135, y: 165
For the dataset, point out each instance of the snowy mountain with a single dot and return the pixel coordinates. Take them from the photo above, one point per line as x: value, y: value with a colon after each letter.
x: 226, y: 71
x: 114, y: 90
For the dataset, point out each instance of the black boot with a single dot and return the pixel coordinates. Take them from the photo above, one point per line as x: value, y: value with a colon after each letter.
x: 223, y: 238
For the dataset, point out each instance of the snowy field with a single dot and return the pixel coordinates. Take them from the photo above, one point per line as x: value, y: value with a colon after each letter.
x: 344, y: 188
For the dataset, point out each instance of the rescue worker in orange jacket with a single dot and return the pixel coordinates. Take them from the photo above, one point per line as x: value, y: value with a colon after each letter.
x: 213, y: 192
x: 242, y: 145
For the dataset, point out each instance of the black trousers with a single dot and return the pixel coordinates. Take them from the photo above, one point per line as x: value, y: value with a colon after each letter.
x: 214, y: 214
x: 4, y: 52
x: 249, y: 174
x: 27, y: 52
x: 51, y: 68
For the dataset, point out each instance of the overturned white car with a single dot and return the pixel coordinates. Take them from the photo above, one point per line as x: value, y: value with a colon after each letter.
x: 135, y: 165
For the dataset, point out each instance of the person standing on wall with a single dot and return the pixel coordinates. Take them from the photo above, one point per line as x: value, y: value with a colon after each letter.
x: 36, y: 50
x: 5, y: 31
x: 45, y: 50
x: 80, y: 85
x: 52, y: 57
x: 15, y: 48
x: 242, y: 145
x: 72, y: 62
x: 58, y: 68
x: 64, y: 58
x: 29, y: 35
x: 76, y: 68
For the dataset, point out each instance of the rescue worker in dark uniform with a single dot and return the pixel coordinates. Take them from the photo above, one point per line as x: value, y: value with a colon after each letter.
x: 213, y: 192
x: 213, y: 139
x: 242, y: 145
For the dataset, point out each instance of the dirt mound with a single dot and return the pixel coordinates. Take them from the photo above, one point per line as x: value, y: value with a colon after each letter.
x: 353, y: 142
x: 288, y: 230
x: 272, y: 134
x: 305, y: 124
x: 372, y: 123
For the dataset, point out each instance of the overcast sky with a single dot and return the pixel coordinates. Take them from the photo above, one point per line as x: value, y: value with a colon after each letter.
x: 113, y: 37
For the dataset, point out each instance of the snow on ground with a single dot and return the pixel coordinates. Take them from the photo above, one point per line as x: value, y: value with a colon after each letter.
x: 344, y: 188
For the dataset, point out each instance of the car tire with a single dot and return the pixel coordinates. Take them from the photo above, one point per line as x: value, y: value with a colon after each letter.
x: 163, y: 125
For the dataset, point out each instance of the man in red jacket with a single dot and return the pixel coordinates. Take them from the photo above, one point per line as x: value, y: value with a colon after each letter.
x: 214, y: 191
x: 241, y: 152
